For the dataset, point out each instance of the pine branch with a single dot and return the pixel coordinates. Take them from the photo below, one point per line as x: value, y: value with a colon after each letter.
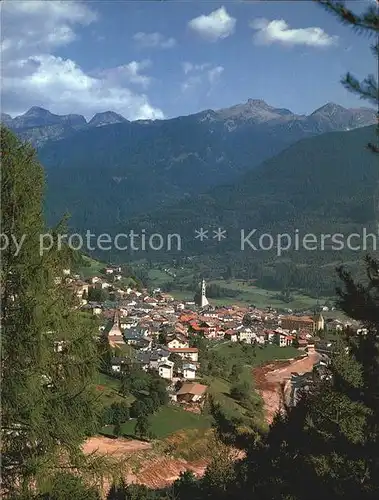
x: 367, y: 90
x: 367, y: 23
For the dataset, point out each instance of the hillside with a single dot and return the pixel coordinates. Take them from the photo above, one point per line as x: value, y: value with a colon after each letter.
x: 109, y: 169
x: 323, y: 184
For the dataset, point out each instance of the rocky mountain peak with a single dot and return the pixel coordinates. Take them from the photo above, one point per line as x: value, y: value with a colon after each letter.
x: 330, y: 109
x: 106, y: 118
x: 37, y: 111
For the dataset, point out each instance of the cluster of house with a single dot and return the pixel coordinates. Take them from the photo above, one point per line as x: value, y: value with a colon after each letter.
x: 157, y: 327
x: 148, y: 353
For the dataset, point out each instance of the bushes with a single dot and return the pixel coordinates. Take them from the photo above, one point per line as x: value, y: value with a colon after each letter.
x: 116, y: 413
x: 241, y: 391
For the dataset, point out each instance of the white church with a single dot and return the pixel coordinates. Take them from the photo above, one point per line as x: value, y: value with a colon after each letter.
x: 202, y: 299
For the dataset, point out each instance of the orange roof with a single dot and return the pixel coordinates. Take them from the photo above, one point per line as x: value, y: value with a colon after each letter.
x: 192, y: 388
x: 184, y: 349
x: 185, y: 318
x: 298, y: 319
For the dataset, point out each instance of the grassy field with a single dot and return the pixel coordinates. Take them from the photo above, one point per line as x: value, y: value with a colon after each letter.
x: 108, y: 387
x: 93, y: 269
x: 248, y: 293
x: 243, y: 355
x: 246, y: 357
x: 166, y: 421
x: 171, y: 419
x: 159, y: 277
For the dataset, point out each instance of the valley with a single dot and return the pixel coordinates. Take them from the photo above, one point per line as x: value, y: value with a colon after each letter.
x: 200, y: 171
x: 189, y: 271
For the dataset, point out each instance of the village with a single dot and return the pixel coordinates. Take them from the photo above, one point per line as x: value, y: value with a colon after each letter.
x: 154, y: 331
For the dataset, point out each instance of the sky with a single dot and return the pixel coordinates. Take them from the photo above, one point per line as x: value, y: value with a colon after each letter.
x: 161, y: 59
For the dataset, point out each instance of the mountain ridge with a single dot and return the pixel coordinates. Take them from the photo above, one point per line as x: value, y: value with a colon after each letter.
x: 31, y: 125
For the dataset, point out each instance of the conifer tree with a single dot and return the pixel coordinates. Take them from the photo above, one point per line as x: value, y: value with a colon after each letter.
x: 142, y: 427
x: 367, y: 24
x: 49, y: 354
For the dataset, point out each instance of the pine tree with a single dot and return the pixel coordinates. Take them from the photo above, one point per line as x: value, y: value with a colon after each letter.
x: 105, y: 353
x: 366, y: 24
x: 49, y: 356
x: 142, y: 427
x: 118, y: 491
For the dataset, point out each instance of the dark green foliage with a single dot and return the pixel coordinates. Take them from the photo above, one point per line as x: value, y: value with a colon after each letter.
x: 219, y: 475
x: 104, y: 353
x: 117, y: 412
x: 313, y: 186
x: 138, y: 408
x: 125, y: 384
x: 216, y: 291
x: 235, y: 373
x: 177, y: 360
x: 241, y: 391
x: 48, y: 400
x: 162, y: 338
x: 186, y: 487
x: 97, y: 294
x: 118, y: 491
x: 117, y: 428
x: 142, y: 427
x: 158, y: 387
x: 122, y: 491
x: 65, y: 486
x: 247, y: 320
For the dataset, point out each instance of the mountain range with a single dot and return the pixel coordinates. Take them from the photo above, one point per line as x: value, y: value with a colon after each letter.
x: 248, y: 166
x: 109, y: 169
x: 39, y: 125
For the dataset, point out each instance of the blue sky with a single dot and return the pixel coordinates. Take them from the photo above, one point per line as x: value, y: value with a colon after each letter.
x: 162, y: 59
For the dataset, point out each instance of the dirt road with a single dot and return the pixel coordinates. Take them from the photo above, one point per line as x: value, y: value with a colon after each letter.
x: 154, y: 470
x: 114, y: 447
x: 269, y: 380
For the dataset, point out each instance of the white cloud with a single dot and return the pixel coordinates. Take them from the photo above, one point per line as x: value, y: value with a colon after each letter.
x: 190, y: 67
x: 198, y: 74
x: 32, y: 75
x: 214, y: 74
x: 268, y: 32
x: 61, y: 86
x: 128, y: 73
x: 42, y: 25
x: 217, y: 25
x: 153, y: 40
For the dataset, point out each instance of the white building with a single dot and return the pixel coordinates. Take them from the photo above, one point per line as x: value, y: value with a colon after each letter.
x: 246, y: 335
x: 203, y: 301
x: 189, y: 371
x: 190, y: 353
x: 177, y: 343
x: 166, y: 369
x: 283, y: 339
